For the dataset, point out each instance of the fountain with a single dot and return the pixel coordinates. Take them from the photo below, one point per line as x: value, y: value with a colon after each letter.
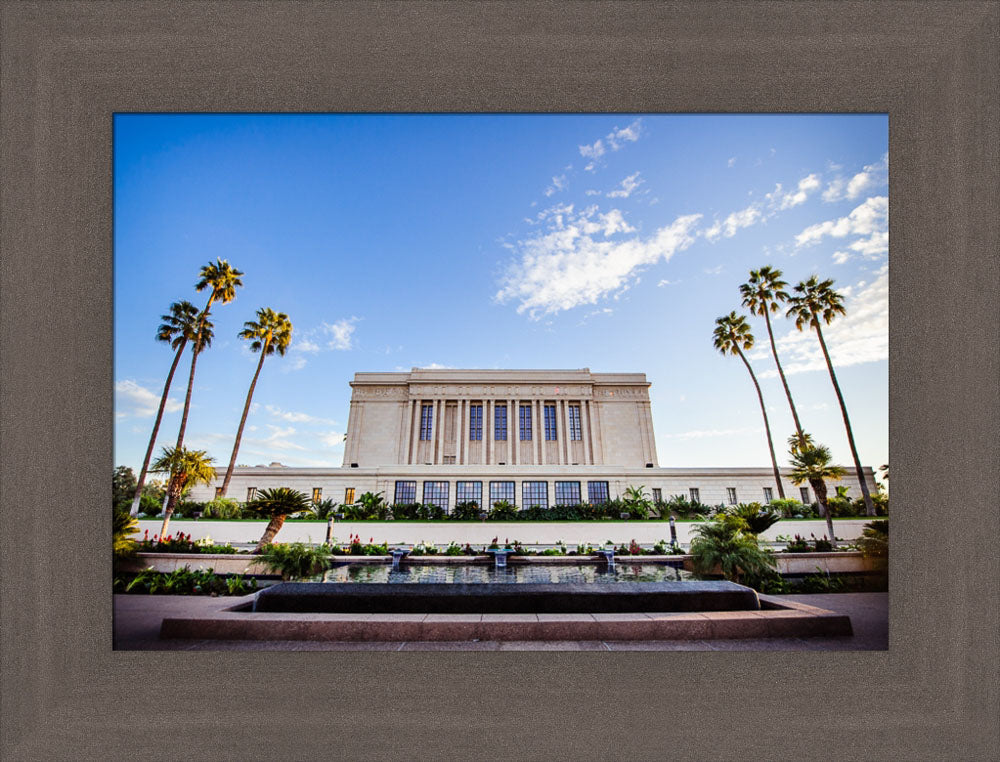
x: 609, y: 556
x: 500, y: 556
x: 398, y: 554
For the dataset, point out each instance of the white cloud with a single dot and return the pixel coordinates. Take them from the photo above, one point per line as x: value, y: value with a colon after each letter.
x: 295, y: 417
x: 332, y: 438
x: 873, y: 175
x: 666, y: 282
x: 137, y: 401
x: 744, y: 218
x: 793, y: 198
x: 713, y: 270
x: 575, y: 261
x: 711, y: 433
x: 860, y: 336
x: 558, y: 183
x: 592, y: 192
x: 869, y: 219
x: 435, y: 366
x: 731, y: 162
x: 613, y: 141
x: 305, y: 345
x: 342, y: 332
x: 626, y: 186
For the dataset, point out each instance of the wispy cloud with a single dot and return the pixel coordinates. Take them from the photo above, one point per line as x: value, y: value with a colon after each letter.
x: 613, y: 141
x: 558, y: 183
x: 341, y: 333
x: 626, y: 186
x: 580, y: 258
x: 136, y: 401
x: 872, y: 176
x: 712, y: 433
x: 868, y: 223
x: 295, y: 417
x: 787, y: 199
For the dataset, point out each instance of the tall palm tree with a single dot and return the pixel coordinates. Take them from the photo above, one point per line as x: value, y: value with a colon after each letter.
x: 732, y: 336
x: 761, y: 295
x: 179, y: 327
x: 811, y: 463
x: 223, y: 279
x: 276, y: 504
x: 270, y: 333
x: 815, y: 300
x: 186, y: 468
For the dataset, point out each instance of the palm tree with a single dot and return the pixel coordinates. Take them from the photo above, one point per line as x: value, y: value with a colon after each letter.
x: 732, y: 336
x: 761, y: 295
x: 276, y: 504
x: 725, y: 544
x: 186, y: 468
x: 272, y: 332
x: 179, y: 326
x: 223, y: 279
x: 811, y: 463
x: 815, y: 299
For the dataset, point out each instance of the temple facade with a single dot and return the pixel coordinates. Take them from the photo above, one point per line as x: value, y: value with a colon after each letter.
x: 531, y: 437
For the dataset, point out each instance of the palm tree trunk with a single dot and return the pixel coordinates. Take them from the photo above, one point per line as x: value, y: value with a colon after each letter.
x: 869, y: 506
x: 781, y: 373
x: 194, y: 360
x: 819, y: 487
x: 156, y: 428
x: 173, y: 494
x: 243, y: 420
x: 273, y: 526
x: 767, y: 425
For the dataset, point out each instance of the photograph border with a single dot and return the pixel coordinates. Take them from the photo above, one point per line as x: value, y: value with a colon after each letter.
x: 68, y: 67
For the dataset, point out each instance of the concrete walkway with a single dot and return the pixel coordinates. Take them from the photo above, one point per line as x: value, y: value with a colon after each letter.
x: 137, y: 620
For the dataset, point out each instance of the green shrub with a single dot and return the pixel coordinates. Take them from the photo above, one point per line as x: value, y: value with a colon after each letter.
x: 798, y: 544
x: 296, y: 560
x: 723, y: 544
x: 757, y: 517
x: 874, y: 541
x: 466, y: 511
x: 454, y: 549
x: 222, y: 508
x: 788, y: 507
x: 503, y: 511
x: 124, y: 526
x: 184, y: 581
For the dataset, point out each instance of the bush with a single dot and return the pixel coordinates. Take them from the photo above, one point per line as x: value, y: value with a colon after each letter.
x: 417, y: 511
x: 503, y: 511
x: 454, y: 549
x: 682, y: 507
x: 466, y: 511
x: 187, y: 508
x: 296, y: 560
x: 123, y: 527
x: 874, y: 541
x: 788, y: 507
x: 724, y: 544
x: 798, y: 544
x: 222, y: 508
x: 757, y: 517
x: 186, y: 582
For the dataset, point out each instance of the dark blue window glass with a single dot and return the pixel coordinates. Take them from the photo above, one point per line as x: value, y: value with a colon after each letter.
x: 475, y: 422
x: 550, y: 423
x: 597, y: 492
x: 406, y: 492
x: 469, y: 492
x: 436, y: 493
x: 525, y: 423
x: 426, y: 417
x: 575, y: 433
x: 502, y: 491
x: 535, y: 493
x: 500, y: 423
x: 567, y: 493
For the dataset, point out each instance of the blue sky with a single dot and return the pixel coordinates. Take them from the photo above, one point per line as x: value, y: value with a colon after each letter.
x: 607, y: 241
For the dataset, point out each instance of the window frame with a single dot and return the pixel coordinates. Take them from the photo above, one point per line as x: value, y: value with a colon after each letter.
x: 694, y: 494
x: 562, y: 499
x: 476, y: 422
x: 731, y: 495
x: 459, y: 497
x: 768, y: 495
x: 500, y: 423
x: 575, y: 426
x: 513, y: 492
x: 426, y: 422
x: 396, y: 491
x: 549, y: 420
x: 428, y: 498
x: 524, y: 422
x: 591, y: 491
x: 349, y: 494
x: 525, y: 486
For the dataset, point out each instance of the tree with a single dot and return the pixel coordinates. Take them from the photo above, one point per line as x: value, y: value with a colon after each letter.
x: 815, y: 300
x: 761, y: 295
x: 223, y: 280
x: 637, y: 502
x: 272, y: 332
x: 179, y: 327
x: 122, y: 486
x: 725, y: 543
x: 186, y: 468
x: 811, y: 463
x: 276, y: 504
x: 732, y: 336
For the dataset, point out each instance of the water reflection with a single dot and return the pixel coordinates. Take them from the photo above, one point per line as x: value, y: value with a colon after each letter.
x: 532, y: 573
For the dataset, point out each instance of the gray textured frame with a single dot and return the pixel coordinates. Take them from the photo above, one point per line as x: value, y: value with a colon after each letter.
x: 67, y: 66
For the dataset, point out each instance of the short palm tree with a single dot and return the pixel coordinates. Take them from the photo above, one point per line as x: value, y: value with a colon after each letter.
x: 725, y: 544
x: 811, y: 463
x: 815, y: 301
x: 186, y: 468
x: 276, y: 504
x: 270, y: 333
x: 761, y: 295
x: 179, y: 327
x: 732, y: 336
x: 223, y: 280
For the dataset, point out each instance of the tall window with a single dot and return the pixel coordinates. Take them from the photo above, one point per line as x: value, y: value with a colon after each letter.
x: 502, y: 491
x: 535, y: 493
x: 500, y: 423
x: 575, y: 432
x: 694, y: 495
x: 567, y: 493
x: 317, y: 494
x: 550, y: 423
x: 768, y: 494
x: 406, y: 492
x: 426, y: 421
x: 597, y: 492
x: 525, y: 421
x: 475, y: 422
x: 349, y: 496
x: 436, y: 493
x: 804, y: 491
x: 731, y: 495
x: 657, y: 495
x: 469, y: 492
x: 251, y: 493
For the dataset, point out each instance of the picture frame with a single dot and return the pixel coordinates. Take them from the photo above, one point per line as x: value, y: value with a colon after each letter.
x: 67, y: 68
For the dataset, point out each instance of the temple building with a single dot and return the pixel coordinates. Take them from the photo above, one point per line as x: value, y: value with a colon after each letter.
x: 531, y: 437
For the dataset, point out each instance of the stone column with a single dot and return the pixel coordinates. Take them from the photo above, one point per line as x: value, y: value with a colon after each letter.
x: 437, y: 440
x: 490, y: 412
x: 405, y: 440
x: 560, y: 434
x: 588, y: 451
x: 458, y: 432
x: 539, y: 432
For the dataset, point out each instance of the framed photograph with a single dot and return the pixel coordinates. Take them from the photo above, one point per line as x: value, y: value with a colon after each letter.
x: 561, y: 94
